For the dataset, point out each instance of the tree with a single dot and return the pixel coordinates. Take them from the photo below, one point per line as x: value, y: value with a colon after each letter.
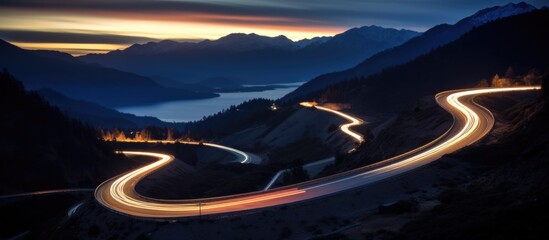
x: 121, y: 136
x: 106, y: 135
x: 118, y: 135
x: 497, y: 81
x: 483, y: 83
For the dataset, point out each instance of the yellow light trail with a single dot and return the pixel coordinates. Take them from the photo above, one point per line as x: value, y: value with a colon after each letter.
x: 345, y: 127
x: 245, y: 158
x: 471, y: 122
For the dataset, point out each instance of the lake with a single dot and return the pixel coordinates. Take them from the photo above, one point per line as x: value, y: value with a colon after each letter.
x: 192, y: 110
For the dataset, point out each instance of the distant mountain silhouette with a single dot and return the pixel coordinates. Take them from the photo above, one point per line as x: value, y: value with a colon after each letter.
x: 312, y: 41
x: 78, y: 80
x: 240, y: 42
x: 99, y: 116
x: 42, y: 149
x: 519, y: 42
x: 431, y: 39
x: 250, y: 57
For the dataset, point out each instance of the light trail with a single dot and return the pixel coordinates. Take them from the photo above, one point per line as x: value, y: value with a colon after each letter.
x: 244, y: 158
x: 344, y: 127
x: 471, y: 123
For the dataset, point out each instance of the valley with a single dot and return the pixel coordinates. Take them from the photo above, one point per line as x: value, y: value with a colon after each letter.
x: 288, y: 120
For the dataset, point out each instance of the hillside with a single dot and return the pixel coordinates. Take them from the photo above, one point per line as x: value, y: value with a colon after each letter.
x: 239, y: 117
x: 77, y: 80
x: 429, y: 40
x: 507, y: 184
x: 99, y: 116
x: 251, y: 58
x: 453, y: 198
x: 42, y: 149
x: 477, y: 55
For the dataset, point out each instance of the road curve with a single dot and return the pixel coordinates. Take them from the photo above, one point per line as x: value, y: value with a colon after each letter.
x: 241, y: 156
x: 345, y: 127
x: 471, y: 122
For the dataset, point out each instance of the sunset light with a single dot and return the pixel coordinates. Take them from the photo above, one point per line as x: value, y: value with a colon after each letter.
x: 30, y: 23
x: 274, y: 119
x: 123, y: 29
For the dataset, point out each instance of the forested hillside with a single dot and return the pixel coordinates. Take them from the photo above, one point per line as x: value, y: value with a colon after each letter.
x: 477, y: 55
x: 43, y: 149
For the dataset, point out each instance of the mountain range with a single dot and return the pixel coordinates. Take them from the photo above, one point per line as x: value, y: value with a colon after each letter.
x: 78, y: 80
x: 251, y: 58
x: 429, y: 40
x: 478, y: 54
x: 496, y: 188
x: 79, y: 84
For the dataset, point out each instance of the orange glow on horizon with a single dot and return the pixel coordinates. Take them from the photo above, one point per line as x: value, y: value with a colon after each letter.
x: 159, y: 26
x: 75, y: 49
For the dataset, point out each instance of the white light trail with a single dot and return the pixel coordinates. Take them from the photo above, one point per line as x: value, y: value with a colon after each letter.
x: 469, y: 126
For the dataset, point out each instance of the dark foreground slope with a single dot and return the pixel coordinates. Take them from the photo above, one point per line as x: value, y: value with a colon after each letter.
x: 507, y: 196
x: 519, y: 42
x: 42, y: 149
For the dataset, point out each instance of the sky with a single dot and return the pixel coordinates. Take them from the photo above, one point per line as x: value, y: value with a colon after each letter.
x: 97, y: 26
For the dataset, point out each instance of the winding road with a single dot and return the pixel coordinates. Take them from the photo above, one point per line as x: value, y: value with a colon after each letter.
x: 471, y: 123
x: 241, y: 156
x: 345, y: 128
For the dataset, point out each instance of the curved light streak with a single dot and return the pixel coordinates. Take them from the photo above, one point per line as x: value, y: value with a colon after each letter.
x: 344, y: 127
x: 244, y: 158
x: 471, y: 122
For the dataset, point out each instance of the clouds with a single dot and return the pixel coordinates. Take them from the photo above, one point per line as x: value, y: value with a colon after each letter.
x: 61, y: 37
x: 414, y: 14
x: 129, y: 21
x: 419, y: 14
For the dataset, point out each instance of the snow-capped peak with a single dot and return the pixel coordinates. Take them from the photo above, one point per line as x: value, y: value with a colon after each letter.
x: 493, y: 13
